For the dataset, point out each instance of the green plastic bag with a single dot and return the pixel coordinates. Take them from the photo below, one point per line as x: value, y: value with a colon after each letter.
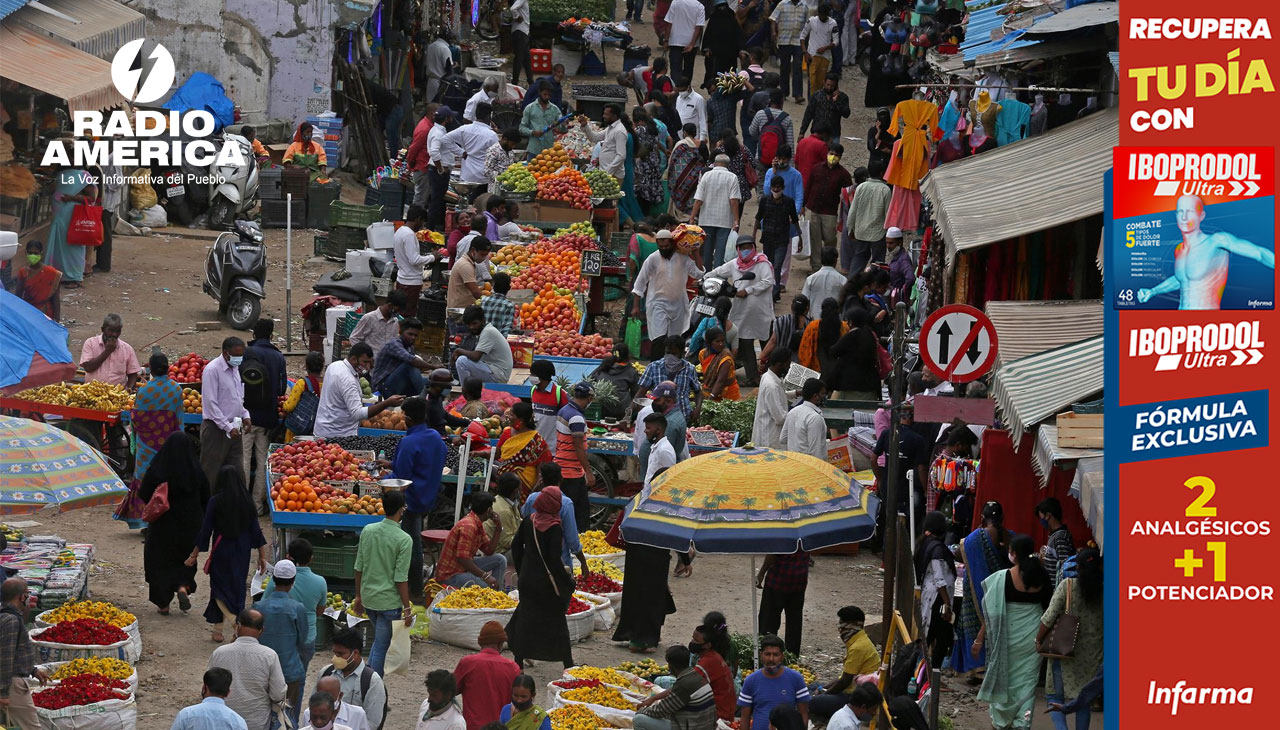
x: 634, y: 337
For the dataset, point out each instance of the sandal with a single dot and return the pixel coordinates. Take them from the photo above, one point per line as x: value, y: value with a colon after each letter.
x: 184, y: 601
x: 218, y: 638
x: 72, y: 285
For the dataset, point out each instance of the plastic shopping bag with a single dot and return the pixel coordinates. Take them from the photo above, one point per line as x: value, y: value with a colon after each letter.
x: 634, y: 336
x: 802, y: 250
x: 730, y: 246
x: 397, y: 661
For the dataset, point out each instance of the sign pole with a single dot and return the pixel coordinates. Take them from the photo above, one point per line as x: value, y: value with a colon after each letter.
x: 288, y: 272
x: 889, y: 493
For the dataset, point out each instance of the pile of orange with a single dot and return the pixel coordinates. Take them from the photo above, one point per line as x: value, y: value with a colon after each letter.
x: 192, y: 401
x: 550, y: 310
x: 549, y: 161
x: 297, y: 494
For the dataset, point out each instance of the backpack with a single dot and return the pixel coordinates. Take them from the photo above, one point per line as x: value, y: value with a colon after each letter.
x: 366, y: 679
x: 772, y: 136
x: 259, y: 391
x: 302, y: 419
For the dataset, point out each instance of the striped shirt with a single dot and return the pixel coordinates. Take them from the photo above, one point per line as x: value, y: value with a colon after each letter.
x: 569, y: 422
x: 691, y: 704
x: 546, y: 407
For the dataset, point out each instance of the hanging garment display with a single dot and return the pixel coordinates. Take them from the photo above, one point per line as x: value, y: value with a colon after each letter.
x: 915, y: 120
x: 950, y: 475
x: 1012, y: 121
x: 1039, y: 117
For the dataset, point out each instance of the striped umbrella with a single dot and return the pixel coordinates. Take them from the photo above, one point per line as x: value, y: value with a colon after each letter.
x: 751, y: 500
x: 42, y: 466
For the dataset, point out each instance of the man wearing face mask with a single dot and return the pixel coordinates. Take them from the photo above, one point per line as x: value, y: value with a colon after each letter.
x: 360, y: 685
x: 771, y: 686
x: 822, y: 201
x: 804, y: 430
x: 660, y: 284
x: 341, y: 407
x: 344, y: 714
x: 674, y: 368
x: 440, y: 711
x: 752, y: 313
x: 323, y: 714
x: 212, y: 713
x: 439, y: 390
x: 864, y: 704
x: 793, y: 187
x: 659, y: 454
x: 861, y: 663
x: 225, y: 417
x: 487, y: 93
x: 664, y: 402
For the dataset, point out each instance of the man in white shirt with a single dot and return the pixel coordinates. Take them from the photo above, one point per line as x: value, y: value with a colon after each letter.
x: 716, y: 205
x: 438, y: 63
x: 473, y: 141
x: 826, y: 281
x: 661, y: 453
x: 771, y: 402
x: 664, y: 401
x: 660, y: 284
x: 861, y: 708
x: 321, y: 709
x: 688, y: 18
x: 805, y: 430
x: 341, y: 407
x: 788, y: 23
x: 382, y: 325
x: 442, y: 159
x: 344, y: 713
x: 487, y: 93
x: 440, y: 710
x: 520, y: 58
x: 819, y: 36
x: 410, y: 261
x: 257, y: 681
x: 691, y: 107
x: 613, y: 151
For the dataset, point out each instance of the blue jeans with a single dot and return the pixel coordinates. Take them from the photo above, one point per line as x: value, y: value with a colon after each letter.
x: 791, y: 69
x: 1083, y: 715
x: 495, y: 564
x: 468, y: 368
x: 381, y: 636
x: 713, y: 246
x: 405, y: 380
x: 306, y: 656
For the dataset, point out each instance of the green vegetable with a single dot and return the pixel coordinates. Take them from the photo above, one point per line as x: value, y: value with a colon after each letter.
x: 728, y: 415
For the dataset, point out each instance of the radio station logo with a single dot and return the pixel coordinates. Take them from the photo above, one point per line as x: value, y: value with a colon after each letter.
x: 142, y: 76
x: 1195, y: 347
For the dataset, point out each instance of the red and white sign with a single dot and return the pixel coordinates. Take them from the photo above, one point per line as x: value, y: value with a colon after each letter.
x: 958, y: 343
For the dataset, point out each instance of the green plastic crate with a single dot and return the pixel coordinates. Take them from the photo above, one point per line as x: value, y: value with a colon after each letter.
x: 353, y: 216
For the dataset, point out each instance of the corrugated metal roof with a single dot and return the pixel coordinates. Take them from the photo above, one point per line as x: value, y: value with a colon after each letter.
x: 102, y: 25
x: 1048, y: 454
x: 1028, y: 186
x: 1019, y: 53
x: 1028, y: 328
x: 8, y: 7
x: 1031, y: 389
x: 1081, y: 16
x: 82, y: 80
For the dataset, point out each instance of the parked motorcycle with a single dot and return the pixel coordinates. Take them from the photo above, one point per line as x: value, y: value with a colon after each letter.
x: 235, y: 274
x: 236, y: 186
x: 711, y: 288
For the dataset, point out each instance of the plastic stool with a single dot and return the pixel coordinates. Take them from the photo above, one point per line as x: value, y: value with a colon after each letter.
x: 541, y: 58
x: 433, y: 540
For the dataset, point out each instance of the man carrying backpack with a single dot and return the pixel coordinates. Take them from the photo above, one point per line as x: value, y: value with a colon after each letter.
x: 361, y: 685
x: 263, y: 375
x: 772, y: 128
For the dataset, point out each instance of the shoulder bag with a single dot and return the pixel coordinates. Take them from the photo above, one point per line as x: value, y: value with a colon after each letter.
x: 158, y: 505
x: 1060, y: 642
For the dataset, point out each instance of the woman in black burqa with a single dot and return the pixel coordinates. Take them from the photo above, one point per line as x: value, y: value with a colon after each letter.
x: 171, y: 537
x: 539, y: 628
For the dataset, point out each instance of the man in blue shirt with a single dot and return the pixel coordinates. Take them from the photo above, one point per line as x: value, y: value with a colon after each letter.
x: 284, y: 630
x: 568, y: 523
x: 397, y: 369
x: 212, y: 713
x: 770, y: 686
x: 309, y: 589
x: 553, y: 83
x: 420, y: 459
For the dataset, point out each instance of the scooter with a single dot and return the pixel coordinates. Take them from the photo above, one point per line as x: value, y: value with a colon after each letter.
x: 235, y: 274
x: 236, y: 188
x: 711, y: 288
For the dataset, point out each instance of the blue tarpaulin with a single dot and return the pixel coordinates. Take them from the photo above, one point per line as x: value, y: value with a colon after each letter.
x: 203, y: 92
x: 26, y: 332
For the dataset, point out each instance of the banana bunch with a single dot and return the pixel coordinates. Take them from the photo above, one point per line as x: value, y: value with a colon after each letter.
x: 97, y: 396
x: 12, y: 534
x: 477, y: 597
x: 728, y: 82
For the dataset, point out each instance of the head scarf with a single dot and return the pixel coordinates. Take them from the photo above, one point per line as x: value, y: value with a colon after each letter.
x: 931, y: 547
x: 308, y: 143
x: 176, y: 463
x: 546, y: 508
x: 756, y: 257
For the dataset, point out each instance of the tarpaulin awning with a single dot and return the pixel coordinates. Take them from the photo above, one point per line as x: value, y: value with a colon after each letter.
x: 1049, y: 455
x: 35, y: 347
x: 100, y: 27
x: 1087, y: 488
x: 83, y: 81
x: 1028, y: 186
x: 1031, y: 389
x: 1028, y: 328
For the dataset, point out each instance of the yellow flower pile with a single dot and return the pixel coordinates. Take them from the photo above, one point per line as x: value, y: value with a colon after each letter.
x: 113, y: 668
x: 608, y: 676
x: 601, y: 566
x: 576, y: 717
x: 477, y: 597
x: 90, y: 609
x: 593, y: 543
x: 602, y: 696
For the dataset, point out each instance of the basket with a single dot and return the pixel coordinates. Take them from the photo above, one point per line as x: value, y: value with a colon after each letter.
x: 334, y: 558
x: 274, y: 213
x: 353, y: 216
x: 319, y: 196
x: 341, y: 240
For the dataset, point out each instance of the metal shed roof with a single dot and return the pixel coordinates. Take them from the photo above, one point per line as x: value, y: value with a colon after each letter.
x: 99, y: 29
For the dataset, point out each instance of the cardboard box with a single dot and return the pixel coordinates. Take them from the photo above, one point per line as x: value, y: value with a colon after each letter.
x: 521, y: 350
x: 548, y: 210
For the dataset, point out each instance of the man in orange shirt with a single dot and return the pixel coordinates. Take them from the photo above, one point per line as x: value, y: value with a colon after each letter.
x: 459, y: 565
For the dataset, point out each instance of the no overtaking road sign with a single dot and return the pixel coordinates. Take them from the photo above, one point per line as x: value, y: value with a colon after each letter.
x: 958, y: 343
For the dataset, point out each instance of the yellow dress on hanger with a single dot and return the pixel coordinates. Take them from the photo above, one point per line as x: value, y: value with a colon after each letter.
x: 916, y: 121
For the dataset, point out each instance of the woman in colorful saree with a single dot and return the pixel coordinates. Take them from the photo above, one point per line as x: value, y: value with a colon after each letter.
x: 157, y: 414
x: 521, y: 449
x: 985, y: 551
x: 686, y: 167
x: 1013, y: 601
x: 522, y: 714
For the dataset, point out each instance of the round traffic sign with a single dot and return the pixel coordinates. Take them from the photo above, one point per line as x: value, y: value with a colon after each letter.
x: 958, y: 343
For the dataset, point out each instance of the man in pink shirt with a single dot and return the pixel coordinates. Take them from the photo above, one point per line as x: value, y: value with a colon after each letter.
x: 108, y: 358
x: 225, y: 417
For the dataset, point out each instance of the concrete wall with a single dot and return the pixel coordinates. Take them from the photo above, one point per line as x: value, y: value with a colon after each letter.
x: 272, y: 56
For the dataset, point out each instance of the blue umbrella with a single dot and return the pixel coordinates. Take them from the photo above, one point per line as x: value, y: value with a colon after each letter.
x: 35, y: 347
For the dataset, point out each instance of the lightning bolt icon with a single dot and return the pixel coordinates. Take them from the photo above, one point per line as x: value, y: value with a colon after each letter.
x: 133, y: 76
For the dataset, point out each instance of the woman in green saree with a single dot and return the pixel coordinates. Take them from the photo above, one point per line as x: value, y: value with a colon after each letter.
x: 522, y: 714
x: 1013, y: 601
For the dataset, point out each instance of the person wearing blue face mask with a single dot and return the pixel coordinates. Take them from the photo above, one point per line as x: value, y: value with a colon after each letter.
x: 225, y: 417
x: 1059, y: 546
x: 752, y: 313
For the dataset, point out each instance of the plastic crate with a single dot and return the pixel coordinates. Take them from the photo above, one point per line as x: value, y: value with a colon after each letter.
x: 348, y: 323
x: 541, y: 60
x: 391, y: 194
x: 320, y: 244
x: 592, y: 65
x: 274, y: 213
x: 294, y: 180
x: 324, y: 632
x: 269, y: 183
x: 432, y: 311
x: 353, y: 216
x: 342, y: 239
x: 319, y: 196
x: 334, y: 562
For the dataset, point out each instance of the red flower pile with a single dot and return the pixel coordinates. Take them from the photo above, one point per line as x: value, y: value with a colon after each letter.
x: 598, y: 583
x: 83, y: 631
x: 576, y: 683
x: 576, y: 606
x: 82, y: 689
